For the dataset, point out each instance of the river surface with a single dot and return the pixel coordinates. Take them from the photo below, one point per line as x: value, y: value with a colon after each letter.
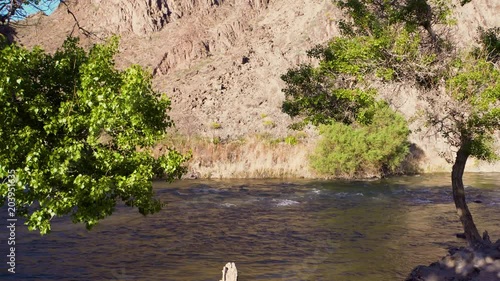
x: 272, y: 229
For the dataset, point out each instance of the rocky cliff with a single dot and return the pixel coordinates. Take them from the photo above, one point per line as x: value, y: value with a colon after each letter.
x: 220, y: 60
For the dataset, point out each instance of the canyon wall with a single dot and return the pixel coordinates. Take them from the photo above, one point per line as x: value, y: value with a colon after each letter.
x: 220, y: 61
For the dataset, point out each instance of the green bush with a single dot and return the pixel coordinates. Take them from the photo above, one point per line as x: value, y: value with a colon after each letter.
x: 291, y: 140
x: 269, y: 123
x: 362, y: 150
x: 215, y: 125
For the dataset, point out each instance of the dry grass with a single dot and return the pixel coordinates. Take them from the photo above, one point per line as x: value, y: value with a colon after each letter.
x: 252, y: 157
x: 262, y: 156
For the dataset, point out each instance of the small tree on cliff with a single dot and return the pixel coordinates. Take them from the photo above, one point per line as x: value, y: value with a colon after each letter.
x: 77, y: 134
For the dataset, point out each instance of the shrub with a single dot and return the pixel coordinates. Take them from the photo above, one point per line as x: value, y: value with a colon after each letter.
x: 269, y: 123
x: 291, y: 140
x: 361, y: 150
x: 215, y: 125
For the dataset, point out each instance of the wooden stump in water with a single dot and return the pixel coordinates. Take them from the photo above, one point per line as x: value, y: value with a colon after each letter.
x: 229, y: 272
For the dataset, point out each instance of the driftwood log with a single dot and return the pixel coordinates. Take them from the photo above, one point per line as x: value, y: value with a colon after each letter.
x: 229, y: 272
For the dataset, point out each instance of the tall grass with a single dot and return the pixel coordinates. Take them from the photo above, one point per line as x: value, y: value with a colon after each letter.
x: 258, y: 156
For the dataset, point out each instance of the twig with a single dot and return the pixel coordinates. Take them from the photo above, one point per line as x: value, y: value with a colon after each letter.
x: 77, y: 23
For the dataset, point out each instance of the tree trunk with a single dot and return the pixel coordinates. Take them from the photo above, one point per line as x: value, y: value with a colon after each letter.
x: 470, y: 230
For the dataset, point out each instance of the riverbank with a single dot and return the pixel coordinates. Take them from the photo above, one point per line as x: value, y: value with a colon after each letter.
x: 267, y: 156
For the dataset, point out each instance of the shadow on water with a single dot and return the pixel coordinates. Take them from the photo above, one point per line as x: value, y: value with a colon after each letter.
x: 273, y: 230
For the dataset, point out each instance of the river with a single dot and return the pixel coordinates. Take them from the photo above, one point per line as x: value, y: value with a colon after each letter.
x: 272, y: 229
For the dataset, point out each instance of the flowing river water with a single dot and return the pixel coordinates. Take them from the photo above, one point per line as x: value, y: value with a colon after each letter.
x: 272, y: 229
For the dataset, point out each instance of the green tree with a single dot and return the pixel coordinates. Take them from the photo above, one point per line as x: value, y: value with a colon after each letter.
x: 394, y: 41
x: 468, y: 117
x: 78, y: 134
x: 339, y: 89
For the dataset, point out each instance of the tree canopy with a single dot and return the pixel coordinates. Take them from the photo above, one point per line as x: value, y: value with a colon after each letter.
x: 78, y: 134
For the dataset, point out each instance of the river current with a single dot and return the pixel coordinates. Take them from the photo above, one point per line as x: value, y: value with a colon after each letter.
x: 272, y: 229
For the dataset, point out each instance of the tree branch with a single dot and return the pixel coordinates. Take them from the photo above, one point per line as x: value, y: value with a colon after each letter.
x: 77, y: 23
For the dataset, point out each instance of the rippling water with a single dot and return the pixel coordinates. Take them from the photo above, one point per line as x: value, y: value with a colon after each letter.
x: 272, y: 229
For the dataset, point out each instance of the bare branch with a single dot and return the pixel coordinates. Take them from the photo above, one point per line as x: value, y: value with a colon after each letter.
x: 77, y: 23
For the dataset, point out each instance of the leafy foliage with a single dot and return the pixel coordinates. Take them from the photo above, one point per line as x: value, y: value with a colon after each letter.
x: 362, y: 135
x: 313, y: 95
x: 327, y: 92
x: 372, y: 17
x: 384, y: 41
x: 353, y: 151
x: 381, y: 43
x: 78, y: 133
x: 474, y: 82
x: 407, y: 47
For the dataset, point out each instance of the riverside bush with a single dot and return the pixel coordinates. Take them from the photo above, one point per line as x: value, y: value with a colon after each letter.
x: 358, y: 150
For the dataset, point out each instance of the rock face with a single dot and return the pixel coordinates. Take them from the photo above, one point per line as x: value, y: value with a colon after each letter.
x: 220, y: 61
x: 477, y: 13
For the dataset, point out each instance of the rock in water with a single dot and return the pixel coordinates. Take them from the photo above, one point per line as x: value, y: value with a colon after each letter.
x: 229, y: 272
